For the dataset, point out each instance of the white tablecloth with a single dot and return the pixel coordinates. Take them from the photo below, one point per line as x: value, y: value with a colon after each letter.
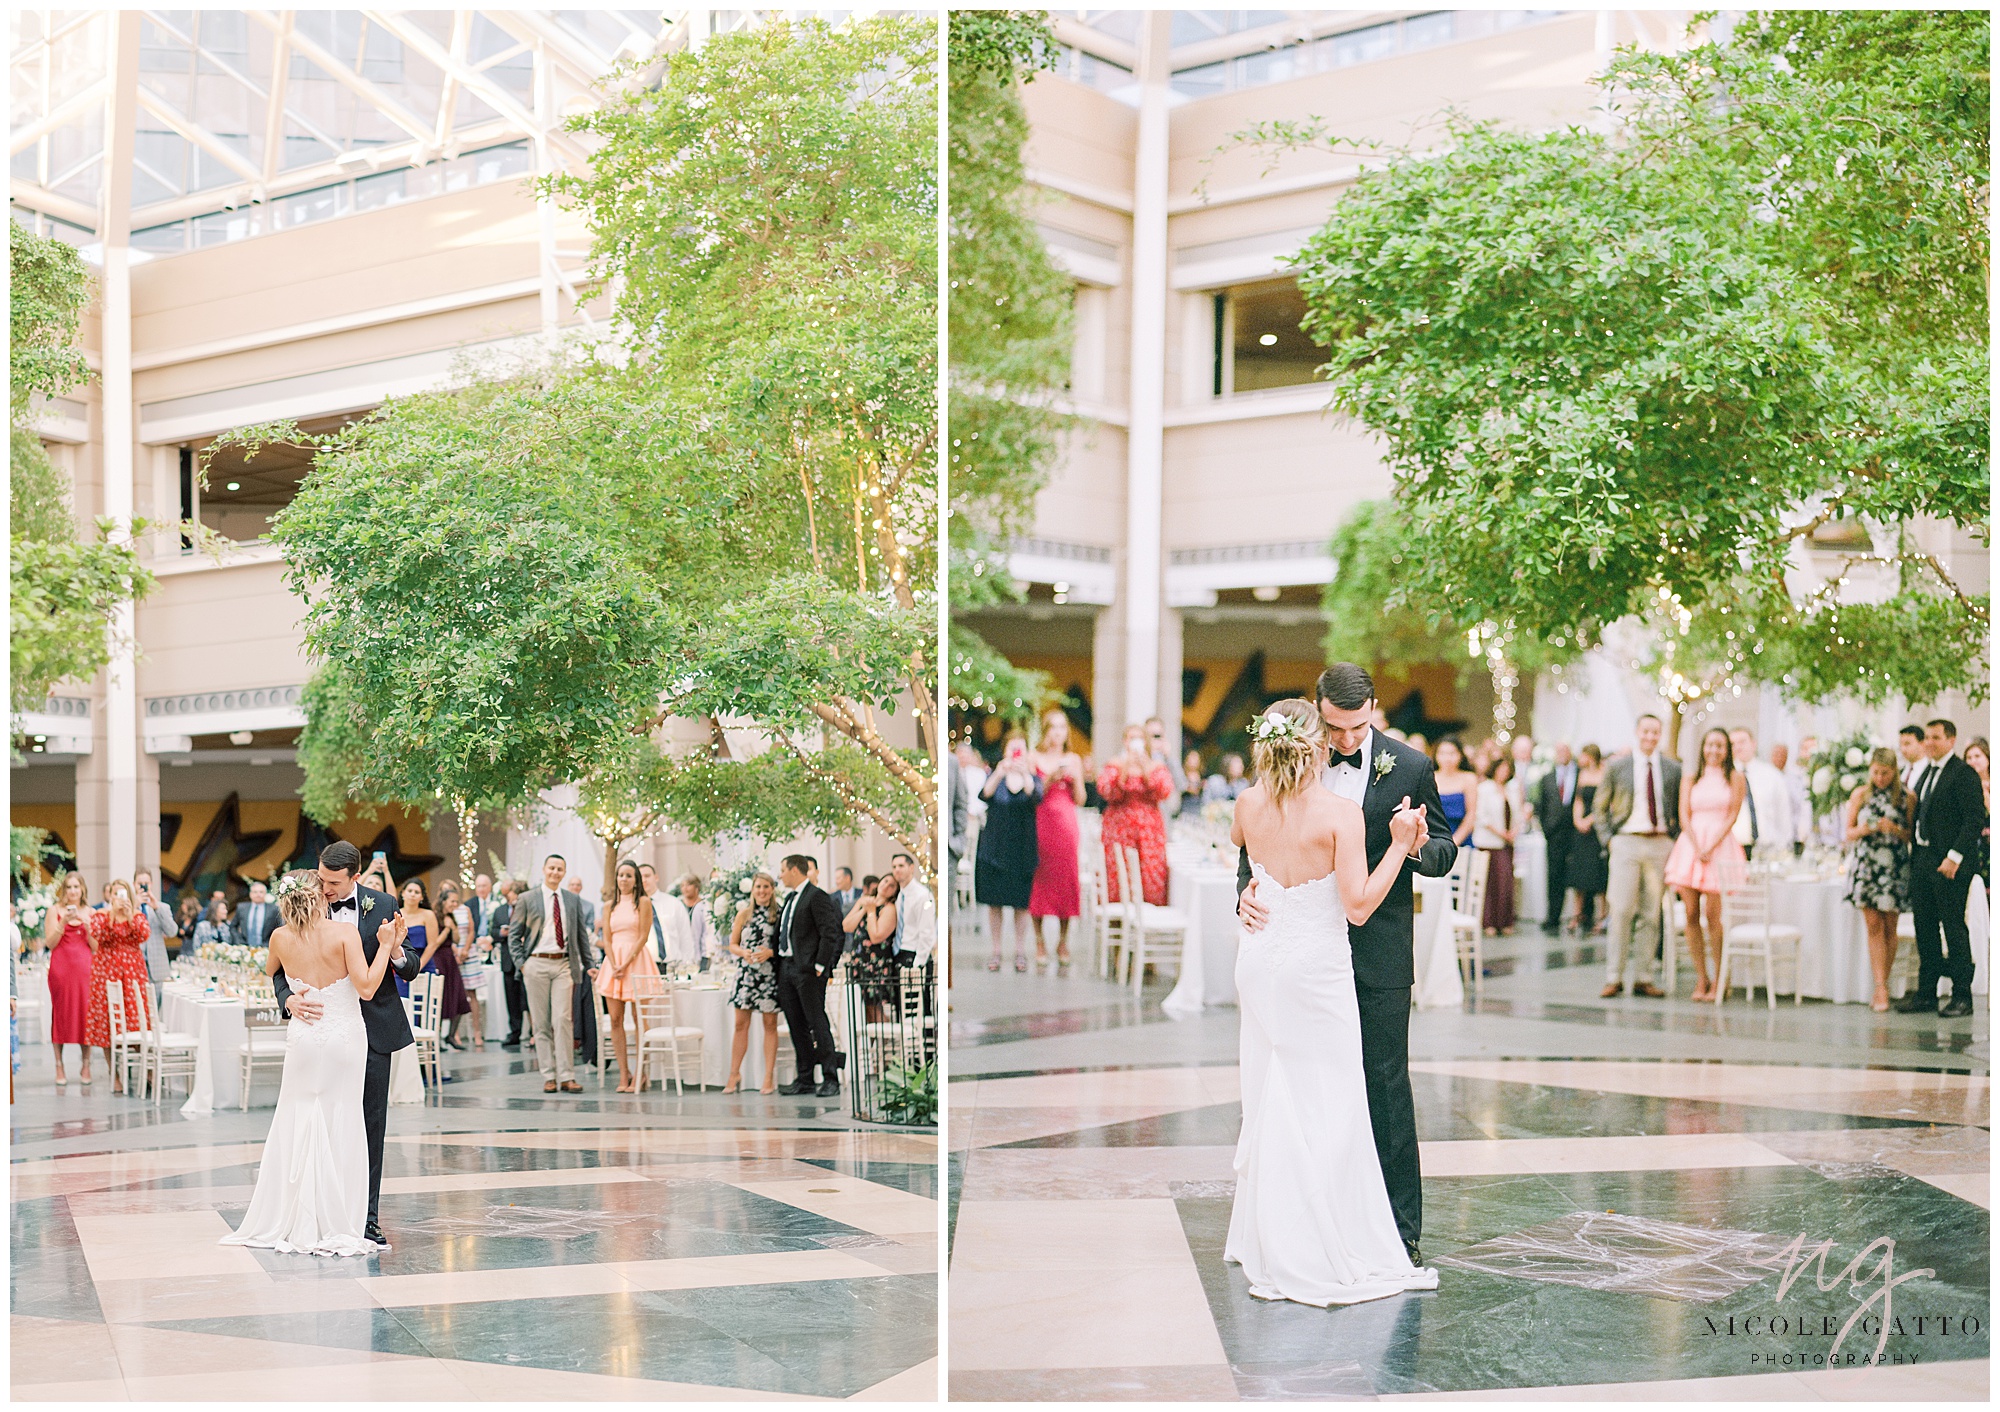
x: 33, y: 984
x: 1439, y: 985
x: 1833, y: 945
x: 708, y: 1006
x: 217, y: 1025
x: 1531, y: 877
x: 1205, y: 894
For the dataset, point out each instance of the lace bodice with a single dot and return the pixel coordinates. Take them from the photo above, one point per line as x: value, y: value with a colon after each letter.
x: 341, y: 1023
x: 1308, y: 925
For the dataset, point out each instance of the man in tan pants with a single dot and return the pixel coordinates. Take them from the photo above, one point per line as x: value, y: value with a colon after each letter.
x: 1638, y: 817
x: 546, y: 937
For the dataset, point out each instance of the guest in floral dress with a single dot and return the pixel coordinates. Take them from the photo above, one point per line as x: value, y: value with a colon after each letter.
x: 1133, y: 786
x: 753, y: 941
x: 872, y: 965
x: 118, y: 936
x: 1880, y: 815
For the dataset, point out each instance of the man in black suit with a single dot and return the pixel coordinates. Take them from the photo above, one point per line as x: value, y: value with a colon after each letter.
x: 1951, y: 810
x: 1383, y: 776
x: 373, y: 914
x: 809, y: 944
x: 1555, y: 797
x: 256, y: 917
x: 510, y: 974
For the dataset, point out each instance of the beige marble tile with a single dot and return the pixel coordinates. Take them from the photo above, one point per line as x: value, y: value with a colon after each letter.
x: 488, y: 1286
x: 147, y: 1353
x: 220, y: 1296
x: 1968, y: 1380
x: 304, y: 1380
x: 1195, y: 1383
x: 867, y: 1206
x: 1962, y: 1099
x: 1649, y: 1153
x: 1076, y: 1284
x: 59, y: 1351
x: 99, y: 1390
x: 769, y: 1268
x: 1031, y: 1319
x: 902, y: 1254
x: 157, y: 1245
x: 499, y: 1181
x: 1976, y: 1187
x: 995, y: 1126
x: 1164, y: 1090
x: 1085, y: 1173
x: 918, y: 1384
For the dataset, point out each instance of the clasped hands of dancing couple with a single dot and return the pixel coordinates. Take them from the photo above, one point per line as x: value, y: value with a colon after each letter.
x: 1328, y: 1205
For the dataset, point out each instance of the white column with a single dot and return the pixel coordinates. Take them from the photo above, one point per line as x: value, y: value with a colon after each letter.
x: 121, y: 707
x: 545, y: 208
x: 1145, y: 442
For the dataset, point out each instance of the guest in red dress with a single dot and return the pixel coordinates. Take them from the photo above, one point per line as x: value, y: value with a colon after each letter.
x: 1133, y: 787
x: 66, y: 932
x: 117, y: 940
x: 1058, y: 889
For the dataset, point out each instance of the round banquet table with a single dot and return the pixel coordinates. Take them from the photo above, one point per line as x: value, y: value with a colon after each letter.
x: 32, y: 982
x: 216, y: 1022
x: 1833, y: 945
x: 1203, y: 892
x: 1439, y: 986
x: 706, y: 1005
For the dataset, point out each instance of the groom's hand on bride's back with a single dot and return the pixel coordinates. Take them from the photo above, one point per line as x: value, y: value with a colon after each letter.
x: 1249, y: 911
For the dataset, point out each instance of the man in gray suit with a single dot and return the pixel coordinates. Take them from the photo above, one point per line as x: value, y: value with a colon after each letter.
x: 256, y: 917
x: 550, y: 945
x: 1638, y: 817
x: 160, y: 925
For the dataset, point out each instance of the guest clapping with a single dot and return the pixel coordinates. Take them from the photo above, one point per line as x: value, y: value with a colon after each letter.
x: 1003, y: 874
x: 1132, y: 785
x: 1879, y: 817
x: 1709, y: 805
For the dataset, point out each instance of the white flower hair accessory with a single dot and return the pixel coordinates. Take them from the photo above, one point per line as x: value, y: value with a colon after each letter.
x: 1277, y: 726
x: 291, y: 883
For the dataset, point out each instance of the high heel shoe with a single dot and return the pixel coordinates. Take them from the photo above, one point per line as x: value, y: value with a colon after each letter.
x: 1020, y: 965
x: 731, y: 1087
x: 993, y: 963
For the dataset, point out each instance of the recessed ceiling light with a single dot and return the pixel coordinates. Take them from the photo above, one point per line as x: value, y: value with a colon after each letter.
x: 234, y: 485
x: 1267, y: 594
x: 1267, y: 339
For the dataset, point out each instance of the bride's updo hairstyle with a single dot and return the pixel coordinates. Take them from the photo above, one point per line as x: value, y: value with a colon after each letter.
x: 1284, y: 743
x: 299, y: 900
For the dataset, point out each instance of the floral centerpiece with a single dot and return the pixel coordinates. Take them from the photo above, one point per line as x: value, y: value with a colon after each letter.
x: 728, y: 889
x: 1834, y: 772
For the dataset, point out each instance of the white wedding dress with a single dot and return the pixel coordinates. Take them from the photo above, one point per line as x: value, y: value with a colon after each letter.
x: 312, y: 1187
x: 1312, y: 1221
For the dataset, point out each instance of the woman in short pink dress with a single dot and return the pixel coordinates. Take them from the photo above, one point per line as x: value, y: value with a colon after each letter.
x: 1710, y: 802
x: 1058, y: 888
x: 628, y: 970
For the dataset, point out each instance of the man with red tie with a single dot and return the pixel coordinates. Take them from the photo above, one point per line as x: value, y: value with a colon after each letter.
x: 1638, y: 817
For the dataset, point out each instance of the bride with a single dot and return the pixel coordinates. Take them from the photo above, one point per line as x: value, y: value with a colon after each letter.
x: 1312, y: 1221
x: 312, y: 1186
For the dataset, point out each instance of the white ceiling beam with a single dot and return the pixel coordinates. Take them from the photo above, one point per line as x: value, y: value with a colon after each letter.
x: 200, y: 136
x: 40, y: 198
x: 468, y: 77
x: 274, y: 104
x: 383, y: 101
x: 68, y: 111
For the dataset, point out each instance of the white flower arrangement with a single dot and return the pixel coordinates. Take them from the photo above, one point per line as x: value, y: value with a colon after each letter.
x: 1275, y: 725
x: 1835, y: 771
x: 1855, y: 757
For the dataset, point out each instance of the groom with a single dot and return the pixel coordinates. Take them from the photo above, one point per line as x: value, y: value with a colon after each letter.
x: 373, y: 914
x: 1381, y: 775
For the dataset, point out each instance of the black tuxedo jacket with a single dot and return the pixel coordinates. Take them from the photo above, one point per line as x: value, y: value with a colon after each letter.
x: 1557, y: 818
x: 1954, y: 813
x: 388, y: 1022
x: 1385, y: 945
x: 817, y: 939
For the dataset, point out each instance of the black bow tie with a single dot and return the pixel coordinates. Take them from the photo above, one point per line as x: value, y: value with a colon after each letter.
x: 1353, y: 760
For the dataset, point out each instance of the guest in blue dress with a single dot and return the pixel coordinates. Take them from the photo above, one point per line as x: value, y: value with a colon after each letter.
x: 1456, y: 787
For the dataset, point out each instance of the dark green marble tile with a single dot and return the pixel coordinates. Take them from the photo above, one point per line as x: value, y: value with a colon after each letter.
x: 917, y: 1178
x: 1214, y: 1126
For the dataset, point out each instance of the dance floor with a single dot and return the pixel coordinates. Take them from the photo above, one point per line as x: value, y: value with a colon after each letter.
x: 589, y: 1248
x: 1609, y: 1187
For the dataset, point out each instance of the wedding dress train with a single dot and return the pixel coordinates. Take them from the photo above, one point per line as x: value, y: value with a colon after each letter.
x: 312, y: 1187
x: 1312, y: 1221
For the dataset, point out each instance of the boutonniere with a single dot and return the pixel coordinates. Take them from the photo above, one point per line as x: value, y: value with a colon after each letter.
x: 1384, y: 762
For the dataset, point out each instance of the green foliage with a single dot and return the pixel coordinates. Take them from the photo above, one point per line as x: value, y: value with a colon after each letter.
x: 1616, y: 370
x: 910, y: 1096
x: 1010, y: 332
x: 64, y: 588
x: 1833, y: 774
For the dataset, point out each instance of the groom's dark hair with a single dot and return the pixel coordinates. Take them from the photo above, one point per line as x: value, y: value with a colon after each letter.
x: 1347, y: 686
x: 340, y: 856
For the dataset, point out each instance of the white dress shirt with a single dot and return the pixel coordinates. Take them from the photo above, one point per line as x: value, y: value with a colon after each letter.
x: 1771, y: 798
x: 551, y: 900
x: 916, y: 921
x: 1642, y: 765
x: 690, y: 934
x: 1346, y: 780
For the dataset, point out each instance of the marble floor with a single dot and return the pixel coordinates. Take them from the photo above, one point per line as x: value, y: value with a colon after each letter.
x: 593, y: 1247
x: 1609, y: 1191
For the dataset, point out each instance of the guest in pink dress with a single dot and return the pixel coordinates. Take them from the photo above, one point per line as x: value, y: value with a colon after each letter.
x: 1058, y: 890
x: 628, y: 972
x: 1709, y: 805
x: 66, y: 932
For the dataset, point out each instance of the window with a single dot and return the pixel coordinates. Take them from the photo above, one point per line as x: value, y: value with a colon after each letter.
x: 1258, y: 341
x: 242, y: 496
x: 1203, y: 82
x: 161, y: 240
